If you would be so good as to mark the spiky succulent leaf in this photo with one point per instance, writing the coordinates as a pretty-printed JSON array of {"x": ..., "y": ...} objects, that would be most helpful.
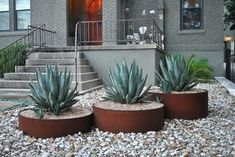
[
  {"x": 52, "y": 91},
  {"x": 175, "y": 74},
  {"x": 127, "y": 84}
]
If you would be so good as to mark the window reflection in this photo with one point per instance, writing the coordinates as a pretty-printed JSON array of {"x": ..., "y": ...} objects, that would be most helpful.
[
  {"x": 23, "y": 19},
  {"x": 191, "y": 14},
  {"x": 4, "y": 5},
  {"x": 4, "y": 18},
  {"x": 22, "y": 4}
]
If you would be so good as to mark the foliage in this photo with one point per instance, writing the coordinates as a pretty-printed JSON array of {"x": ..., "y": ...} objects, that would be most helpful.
[
  {"x": 11, "y": 57},
  {"x": 203, "y": 71},
  {"x": 229, "y": 16},
  {"x": 127, "y": 84},
  {"x": 52, "y": 91},
  {"x": 175, "y": 74}
]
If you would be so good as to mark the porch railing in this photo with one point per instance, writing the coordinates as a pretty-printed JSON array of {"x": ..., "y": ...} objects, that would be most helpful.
[{"x": 123, "y": 32}]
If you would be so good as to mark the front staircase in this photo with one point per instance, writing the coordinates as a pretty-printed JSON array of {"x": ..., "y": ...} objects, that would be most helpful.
[{"x": 18, "y": 81}]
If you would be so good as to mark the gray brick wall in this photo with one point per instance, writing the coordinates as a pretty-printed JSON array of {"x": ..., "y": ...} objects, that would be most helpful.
[
  {"x": 53, "y": 13},
  {"x": 109, "y": 17},
  {"x": 207, "y": 42}
]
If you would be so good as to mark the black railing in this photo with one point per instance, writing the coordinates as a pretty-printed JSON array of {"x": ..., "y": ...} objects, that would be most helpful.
[
  {"x": 37, "y": 37},
  {"x": 123, "y": 32}
]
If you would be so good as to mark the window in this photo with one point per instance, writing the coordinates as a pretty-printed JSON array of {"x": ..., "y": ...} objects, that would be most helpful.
[
  {"x": 191, "y": 14},
  {"x": 14, "y": 15},
  {"x": 22, "y": 8},
  {"x": 4, "y": 15}
]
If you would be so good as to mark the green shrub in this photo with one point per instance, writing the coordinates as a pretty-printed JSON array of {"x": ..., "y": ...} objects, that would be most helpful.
[
  {"x": 52, "y": 92},
  {"x": 127, "y": 84},
  {"x": 11, "y": 57},
  {"x": 175, "y": 74},
  {"x": 204, "y": 72}
]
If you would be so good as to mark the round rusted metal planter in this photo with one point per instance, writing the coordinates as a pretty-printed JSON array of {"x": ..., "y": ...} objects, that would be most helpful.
[
  {"x": 187, "y": 105},
  {"x": 113, "y": 120},
  {"x": 46, "y": 128}
]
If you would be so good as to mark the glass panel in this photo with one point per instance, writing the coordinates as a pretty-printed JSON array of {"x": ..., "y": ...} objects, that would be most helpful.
[
  {"x": 192, "y": 19},
  {"x": 4, "y": 5},
  {"x": 4, "y": 24},
  {"x": 191, "y": 3},
  {"x": 23, "y": 19},
  {"x": 22, "y": 4}
]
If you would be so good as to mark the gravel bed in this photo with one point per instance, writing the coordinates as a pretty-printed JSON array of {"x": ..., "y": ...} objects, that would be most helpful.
[{"x": 211, "y": 136}]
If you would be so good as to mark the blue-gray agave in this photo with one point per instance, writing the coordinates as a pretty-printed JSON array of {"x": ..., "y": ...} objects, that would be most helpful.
[
  {"x": 175, "y": 74},
  {"x": 52, "y": 91},
  {"x": 127, "y": 85}
]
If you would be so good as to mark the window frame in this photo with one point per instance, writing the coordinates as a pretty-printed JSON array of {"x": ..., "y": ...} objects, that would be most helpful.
[
  {"x": 15, "y": 16},
  {"x": 7, "y": 11},
  {"x": 201, "y": 17}
]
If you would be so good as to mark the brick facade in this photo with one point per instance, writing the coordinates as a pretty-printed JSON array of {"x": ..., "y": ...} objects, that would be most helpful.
[{"x": 207, "y": 42}]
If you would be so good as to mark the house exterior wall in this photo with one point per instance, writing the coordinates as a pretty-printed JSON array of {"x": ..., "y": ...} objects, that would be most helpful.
[
  {"x": 207, "y": 42},
  {"x": 53, "y": 13}
]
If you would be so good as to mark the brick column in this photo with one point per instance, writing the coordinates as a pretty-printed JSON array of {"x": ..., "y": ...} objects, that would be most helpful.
[{"x": 110, "y": 22}]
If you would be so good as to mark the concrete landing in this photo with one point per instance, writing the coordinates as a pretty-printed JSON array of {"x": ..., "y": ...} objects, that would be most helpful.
[{"x": 230, "y": 86}]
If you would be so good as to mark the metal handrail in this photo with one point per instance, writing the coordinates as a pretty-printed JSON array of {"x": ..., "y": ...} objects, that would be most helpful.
[{"x": 25, "y": 38}]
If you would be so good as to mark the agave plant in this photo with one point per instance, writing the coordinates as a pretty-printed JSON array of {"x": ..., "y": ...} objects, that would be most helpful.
[
  {"x": 52, "y": 91},
  {"x": 204, "y": 72},
  {"x": 175, "y": 74},
  {"x": 127, "y": 84}
]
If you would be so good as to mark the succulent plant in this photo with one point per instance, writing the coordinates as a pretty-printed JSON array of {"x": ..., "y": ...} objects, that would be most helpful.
[
  {"x": 127, "y": 84},
  {"x": 175, "y": 74},
  {"x": 52, "y": 91}
]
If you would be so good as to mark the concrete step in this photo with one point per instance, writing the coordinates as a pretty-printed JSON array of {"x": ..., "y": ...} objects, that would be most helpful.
[
  {"x": 56, "y": 49},
  {"x": 12, "y": 93},
  {"x": 55, "y": 55},
  {"x": 19, "y": 84},
  {"x": 27, "y": 76},
  {"x": 56, "y": 61},
  {"x": 81, "y": 68}
]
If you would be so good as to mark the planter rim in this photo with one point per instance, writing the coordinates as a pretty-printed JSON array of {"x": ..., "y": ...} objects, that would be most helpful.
[
  {"x": 89, "y": 112},
  {"x": 192, "y": 91},
  {"x": 125, "y": 107}
]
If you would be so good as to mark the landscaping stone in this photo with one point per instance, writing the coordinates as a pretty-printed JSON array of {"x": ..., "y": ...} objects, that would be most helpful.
[{"x": 210, "y": 136}]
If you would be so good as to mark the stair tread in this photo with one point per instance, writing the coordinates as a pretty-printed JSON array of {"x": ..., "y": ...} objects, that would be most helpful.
[
  {"x": 30, "y": 73},
  {"x": 2, "y": 80},
  {"x": 57, "y": 66},
  {"x": 72, "y": 59}
]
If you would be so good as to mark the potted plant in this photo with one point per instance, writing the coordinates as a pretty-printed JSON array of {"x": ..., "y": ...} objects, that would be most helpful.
[
  {"x": 124, "y": 108},
  {"x": 53, "y": 113},
  {"x": 176, "y": 89}
]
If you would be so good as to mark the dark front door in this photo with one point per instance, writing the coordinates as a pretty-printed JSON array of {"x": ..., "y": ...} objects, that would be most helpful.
[{"x": 95, "y": 24}]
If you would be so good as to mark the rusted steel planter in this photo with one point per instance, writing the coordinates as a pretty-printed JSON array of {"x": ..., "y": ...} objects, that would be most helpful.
[
  {"x": 187, "y": 105},
  {"x": 127, "y": 119},
  {"x": 55, "y": 127}
]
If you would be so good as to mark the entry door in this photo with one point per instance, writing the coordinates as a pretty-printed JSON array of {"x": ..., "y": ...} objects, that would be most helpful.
[{"x": 95, "y": 27}]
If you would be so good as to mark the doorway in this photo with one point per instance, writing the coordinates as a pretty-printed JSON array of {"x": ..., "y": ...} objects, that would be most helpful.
[
  {"x": 90, "y": 13},
  {"x": 95, "y": 22}
]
